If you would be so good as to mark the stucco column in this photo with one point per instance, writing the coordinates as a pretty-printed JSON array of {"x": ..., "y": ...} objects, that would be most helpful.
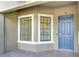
[{"x": 1, "y": 33}]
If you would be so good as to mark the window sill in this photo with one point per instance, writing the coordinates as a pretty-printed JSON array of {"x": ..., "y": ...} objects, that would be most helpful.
[{"x": 27, "y": 42}]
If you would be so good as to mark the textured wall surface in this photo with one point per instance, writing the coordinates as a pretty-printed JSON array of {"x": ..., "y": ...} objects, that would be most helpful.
[
  {"x": 11, "y": 31},
  {"x": 62, "y": 10},
  {"x": 1, "y": 33},
  {"x": 78, "y": 23},
  {"x": 71, "y": 9},
  {"x": 35, "y": 10},
  {"x": 78, "y": 27}
]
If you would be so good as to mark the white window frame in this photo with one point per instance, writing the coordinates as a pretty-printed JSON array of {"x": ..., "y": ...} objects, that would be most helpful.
[
  {"x": 19, "y": 18},
  {"x": 47, "y": 15}
]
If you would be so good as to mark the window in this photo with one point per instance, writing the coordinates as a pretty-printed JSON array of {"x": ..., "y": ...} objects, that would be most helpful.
[
  {"x": 45, "y": 28},
  {"x": 25, "y": 28}
]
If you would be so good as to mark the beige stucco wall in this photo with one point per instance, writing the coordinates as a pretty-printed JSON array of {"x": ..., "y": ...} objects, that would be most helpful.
[
  {"x": 35, "y": 10},
  {"x": 58, "y": 11},
  {"x": 11, "y": 27},
  {"x": 78, "y": 27},
  {"x": 11, "y": 32},
  {"x": 78, "y": 22},
  {"x": 1, "y": 33},
  {"x": 72, "y": 9}
]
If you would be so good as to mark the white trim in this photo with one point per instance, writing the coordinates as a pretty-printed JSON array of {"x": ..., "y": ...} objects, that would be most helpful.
[
  {"x": 52, "y": 29},
  {"x": 26, "y": 42},
  {"x": 38, "y": 42},
  {"x": 66, "y": 50},
  {"x": 38, "y": 27},
  {"x": 52, "y": 41},
  {"x": 32, "y": 27},
  {"x": 19, "y": 18},
  {"x": 18, "y": 28}
]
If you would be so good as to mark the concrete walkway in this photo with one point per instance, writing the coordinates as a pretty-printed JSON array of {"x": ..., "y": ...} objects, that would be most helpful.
[{"x": 19, "y": 53}]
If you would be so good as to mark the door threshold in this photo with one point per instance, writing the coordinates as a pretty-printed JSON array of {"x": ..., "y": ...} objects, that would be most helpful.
[{"x": 65, "y": 50}]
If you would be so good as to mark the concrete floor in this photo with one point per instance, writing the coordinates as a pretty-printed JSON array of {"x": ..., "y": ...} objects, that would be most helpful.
[{"x": 19, "y": 53}]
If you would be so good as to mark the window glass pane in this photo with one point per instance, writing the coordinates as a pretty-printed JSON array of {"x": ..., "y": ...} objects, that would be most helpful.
[
  {"x": 45, "y": 28},
  {"x": 25, "y": 29}
]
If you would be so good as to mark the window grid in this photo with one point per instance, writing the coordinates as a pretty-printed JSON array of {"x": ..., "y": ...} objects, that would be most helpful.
[
  {"x": 45, "y": 28},
  {"x": 25, "y": 29}
]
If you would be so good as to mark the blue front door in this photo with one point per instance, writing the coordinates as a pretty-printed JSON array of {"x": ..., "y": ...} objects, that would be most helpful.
[{"x": 66, "y": 32}]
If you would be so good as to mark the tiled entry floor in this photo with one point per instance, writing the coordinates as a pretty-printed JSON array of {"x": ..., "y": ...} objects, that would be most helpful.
[{"x": 19, "y": 53}]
